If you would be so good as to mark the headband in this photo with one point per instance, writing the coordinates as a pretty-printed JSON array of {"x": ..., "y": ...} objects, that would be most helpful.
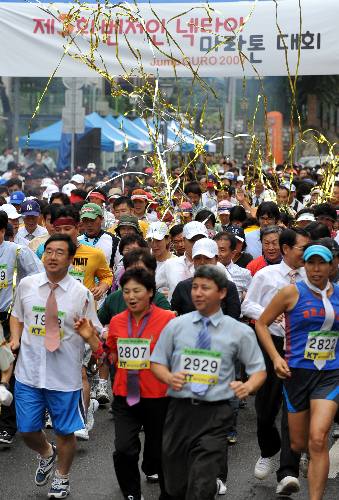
[{"x": 65, "y": 221}]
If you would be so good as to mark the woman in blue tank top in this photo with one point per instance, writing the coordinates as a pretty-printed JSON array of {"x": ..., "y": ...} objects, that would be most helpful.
[{"x": 310, "y": 370}]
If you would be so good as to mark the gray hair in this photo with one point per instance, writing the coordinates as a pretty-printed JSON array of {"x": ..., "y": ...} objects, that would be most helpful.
[
  {"x": 270, "y": 230},
  {"x": 213, "y": 273}
]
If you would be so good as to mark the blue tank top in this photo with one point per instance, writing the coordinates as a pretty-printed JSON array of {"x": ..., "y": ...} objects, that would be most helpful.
[{"x": 308, "y": 315}]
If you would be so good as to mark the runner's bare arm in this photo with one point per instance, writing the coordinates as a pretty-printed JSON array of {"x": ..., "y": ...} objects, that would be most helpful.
[{"x": 243, "y": 389}]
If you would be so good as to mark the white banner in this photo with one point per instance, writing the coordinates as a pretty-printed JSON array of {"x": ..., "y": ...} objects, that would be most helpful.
[{"x": 181, "y": 38}]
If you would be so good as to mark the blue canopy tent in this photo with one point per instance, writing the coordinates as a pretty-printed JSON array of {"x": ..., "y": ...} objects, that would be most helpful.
[{"x": 129, "y": 130}]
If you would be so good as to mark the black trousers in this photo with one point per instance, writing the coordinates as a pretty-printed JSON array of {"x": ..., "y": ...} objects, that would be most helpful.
[
  {"x": 268, "y": 402},
  {"x": 194, "y": 448},
  {"x": 8, "y": 415},
  {"x": 150, "y": 414}
]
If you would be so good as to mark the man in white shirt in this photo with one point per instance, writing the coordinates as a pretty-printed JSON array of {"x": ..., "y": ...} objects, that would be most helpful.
[
  {"x": 30, "y": 211},
  {"x": 181, "y": 268},
  {"x": 209, "y": 199},
  {"x": 241, "y": 277},
  {"x": 265, "y": 284},
  {"x": 48, "y": 369}
]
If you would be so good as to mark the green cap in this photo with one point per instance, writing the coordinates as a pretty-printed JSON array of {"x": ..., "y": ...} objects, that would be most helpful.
[
  {"x": 91, "y": 211},
  {"x": 128, "y": 220}
]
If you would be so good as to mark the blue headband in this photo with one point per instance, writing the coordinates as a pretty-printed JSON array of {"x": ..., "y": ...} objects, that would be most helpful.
[{"x": 320, "y": 250}]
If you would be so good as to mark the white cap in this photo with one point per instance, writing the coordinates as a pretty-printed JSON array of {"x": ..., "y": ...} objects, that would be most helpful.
[
  {"x": 229, "y": 176},
  {"x": 240, "y": 178},
  {"x": 49, "y": 191},
  {"x": 68, "y": 188},
  {"x": 290, "y": 187},
  {"x": 92, "y": 166},
  {"x": 194, "y": 228},
  {"x": 47, "y": 181},
  {"x": 206, "y": 247},
  {"x": 10, "y": 211},
  {"x": 157, "y": 231},
  {"x": 79, "y": 179},
  {"x": 307, "y": 217}
]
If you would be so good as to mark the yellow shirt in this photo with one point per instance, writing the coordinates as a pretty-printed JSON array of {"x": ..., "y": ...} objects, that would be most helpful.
[{"x": 90, "y": 263}]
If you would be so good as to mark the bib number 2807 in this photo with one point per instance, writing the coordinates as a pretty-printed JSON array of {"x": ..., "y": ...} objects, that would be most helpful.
[{"x": 134, "y": 354}]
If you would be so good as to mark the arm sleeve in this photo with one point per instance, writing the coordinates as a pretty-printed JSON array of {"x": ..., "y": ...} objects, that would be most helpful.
[
  {"x": 249, "y": 352},
  {"x": 103, "y": 273},
  {"x": 231, "y": 304},
  {"x": 163, "y": 350},
  {"x": 251, "y": 306},
  {"x": 18, "y": 311},
  {"x": 28, "y": 263}
]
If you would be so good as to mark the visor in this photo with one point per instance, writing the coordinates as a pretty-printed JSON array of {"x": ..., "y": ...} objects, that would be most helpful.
[{"x": 320, "y": 250}]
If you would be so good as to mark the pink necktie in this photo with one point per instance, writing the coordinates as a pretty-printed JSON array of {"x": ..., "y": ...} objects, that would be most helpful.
[
  {"x": 293, "y": 276},
  {"x": 52, "y": 338}
]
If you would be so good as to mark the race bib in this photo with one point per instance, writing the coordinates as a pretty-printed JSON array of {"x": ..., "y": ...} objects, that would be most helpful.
[
  {"x": 134, "y": 354},
  {"x": 321, "y": 345},
  {"x": 3, "y": 276},
  {"x": 78, "y": 275},
  {"x": 38, "y": 324},
  {"x": 201, "y": 365}
]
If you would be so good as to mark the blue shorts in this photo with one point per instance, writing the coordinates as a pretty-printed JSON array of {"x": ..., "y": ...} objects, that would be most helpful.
[{"x": 65, "y": 408}]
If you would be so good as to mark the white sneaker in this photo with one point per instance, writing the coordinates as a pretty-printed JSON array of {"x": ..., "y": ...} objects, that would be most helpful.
[
  {"x": 93, "y": 406},
  {"x": 287, "y": 486},
  {"x": 263, "y": 467},
  {"x": 102, "y": 393},
  {"x": 6, "y": 397},
  {"x": 82, "y": 434},
  {"x": 303, "y": 464},
  {"x": 221, "y": 487},
  {"x": 335, "y": 431}
]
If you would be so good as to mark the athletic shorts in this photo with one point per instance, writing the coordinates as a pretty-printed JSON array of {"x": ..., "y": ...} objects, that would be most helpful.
[
  {"x": 304, "y": 385},
  {"x": 65, "y": 408}
]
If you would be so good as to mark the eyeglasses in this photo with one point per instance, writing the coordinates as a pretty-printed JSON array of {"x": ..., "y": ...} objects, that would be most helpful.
[
  {"x": 59, "y": 253},
  {"x": 299, "y": 248}
]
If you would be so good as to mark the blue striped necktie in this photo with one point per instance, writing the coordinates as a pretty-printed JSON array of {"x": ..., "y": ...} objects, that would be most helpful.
[{"x": 204, "y": 342}]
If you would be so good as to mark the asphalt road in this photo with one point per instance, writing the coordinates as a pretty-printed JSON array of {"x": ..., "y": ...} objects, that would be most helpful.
[{"x": 93, "y": 474}]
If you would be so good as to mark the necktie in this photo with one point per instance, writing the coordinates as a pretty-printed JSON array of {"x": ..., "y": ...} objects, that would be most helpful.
[
  {"x": 203, "y": 342},
  {"x": 133, "y": 385},
  {"x": 293, "y": 276},
  {"x": 29, "y": 237},
  {"x": 52, "y": 338},
  {"x": 329, "y": 314}
]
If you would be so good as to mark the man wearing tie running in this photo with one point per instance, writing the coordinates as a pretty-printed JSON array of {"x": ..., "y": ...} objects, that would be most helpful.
[{"x": 48, "y": 369}]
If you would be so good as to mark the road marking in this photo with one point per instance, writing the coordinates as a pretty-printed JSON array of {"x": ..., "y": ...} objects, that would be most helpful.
[{"x": 334, "y": 460}]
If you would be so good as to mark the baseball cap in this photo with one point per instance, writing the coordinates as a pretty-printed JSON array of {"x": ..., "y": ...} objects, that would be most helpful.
[
  {"x": 157, "y": 231},
  {"x": 289, "y": 186},
  {"x": 229, "y": 176},
  {"x": 139, "y": 194},
  {"x": 47, "y": 181},
  {"x": 224, "y": 207},
  {"x": 320, "y": 250},
  {"x": 306, "y": 217},
  {"x": 205, "y": 246},
  {"x": 10, "y": 211},
  {"x": 240, "y": 178},
  {"x": 128, "y": 220},
  {"x": 114, "y": 193},
  {"x": 50, "y": 189},
  {"x": 210, "y": 184},
  {"x": 68, "y": 188},
  {"x": 17, "y": 197},
  {"x": 238, "y": 232},
  {"x": 186, "y": 207},
  {"x": 91, "y": 211},
  {"x": 91, "y": 166},
  {"x": 194, "y": 228},
  {"x": 79, "y": 179},
  {"x": 30, "y": 207}
]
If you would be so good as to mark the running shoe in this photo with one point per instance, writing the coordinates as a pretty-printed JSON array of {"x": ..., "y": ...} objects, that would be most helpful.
[
  {"x": 263, "y": 468},
  {"x": 6, "y": 438},
  {"x": 287, "y": 486},
  {"x": 152, "y": 478},
  {"x": 93, "y": 406},
  {"x": 221, "y": 487},
  {"x": 82, "y": 434},
  {"x": 232, "y": 437},
  {"x": 102, "y": 393},
  {"x": 335, "y": 431},
  {"x": 303, "y": 464},
  {"x": 132, "y": 497},
  {"x": 59, "y": 488},
  {"x": 45, "y": 468}
]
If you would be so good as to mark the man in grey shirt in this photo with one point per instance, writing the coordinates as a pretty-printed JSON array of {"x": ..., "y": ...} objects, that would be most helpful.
[{"x": 195, "y": 357}]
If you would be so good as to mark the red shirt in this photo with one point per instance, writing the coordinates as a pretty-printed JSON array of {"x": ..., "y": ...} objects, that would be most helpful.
[
  {"x": 256, "y": 264},
  {"x": 150, "y": 387}
]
